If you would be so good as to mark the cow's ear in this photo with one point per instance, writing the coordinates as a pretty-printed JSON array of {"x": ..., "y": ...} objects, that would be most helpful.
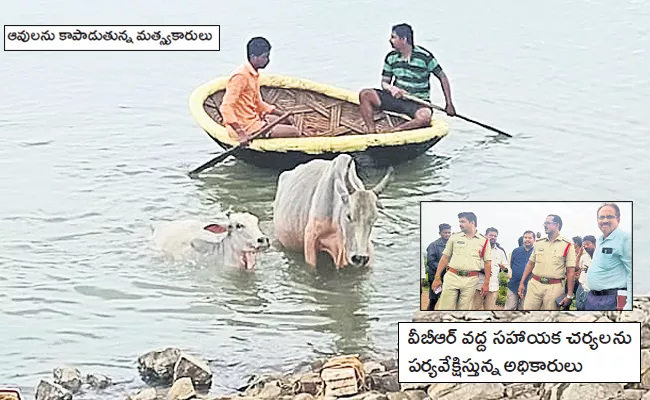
[{"x": 203, "y": 246}]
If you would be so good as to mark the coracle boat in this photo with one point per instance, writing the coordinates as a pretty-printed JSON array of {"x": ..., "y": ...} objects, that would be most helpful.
[{"x": 329, "y": 119}]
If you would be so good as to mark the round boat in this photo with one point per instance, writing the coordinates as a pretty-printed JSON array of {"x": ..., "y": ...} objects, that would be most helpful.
[{"x": 328, "y": 117}]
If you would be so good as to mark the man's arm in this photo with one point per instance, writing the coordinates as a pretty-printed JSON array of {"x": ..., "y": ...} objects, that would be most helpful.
[
  {"x": 510, "y": 266},
  {"x": 527, "y": 271},
  {"x": 570, "y": 271},
  {"x": 435, "y": 69},
  {"x": 626, "y": 258},
  {"x": 233, "y": 93},
  {"x": 487, "y": 266},
  {"x": 432, "y": 262}
]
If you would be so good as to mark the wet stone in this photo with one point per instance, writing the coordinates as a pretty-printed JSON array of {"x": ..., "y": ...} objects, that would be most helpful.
[
  {"x": 98, "y": 381},
  {"x": 181, "y": 390},
  {"x": 416, "y": 394},
  {"x": 271, "y": 390},
  {"x": 384, "y": 382},
  {"x": 144, "y": 394},
  {"x": 157, "y": 367},
  {"x": 592, "y": 391},
  {"x": 415, "y": 386},
  {"x": 397, "y": 396},
  {"x": 633, "y": 394},
  {"x": 389, "y": 365},
  {"x": 372, "y": 367},
  {"x": 52, "y": 391},
  {"x": 69, "y": 378},
  {"x": 194, "y": 368}
]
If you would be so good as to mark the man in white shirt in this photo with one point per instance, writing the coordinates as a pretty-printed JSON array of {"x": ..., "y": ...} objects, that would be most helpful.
[
  {"x": 588, "y": 247},
  {"x": 499, "y": 263}
]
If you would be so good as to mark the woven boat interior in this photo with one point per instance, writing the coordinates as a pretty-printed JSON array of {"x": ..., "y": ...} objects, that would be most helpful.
[{"x": 315, "y": 114}]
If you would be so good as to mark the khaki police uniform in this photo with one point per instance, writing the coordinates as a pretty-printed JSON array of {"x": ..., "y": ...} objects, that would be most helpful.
[
  {"x": 551, "y": 259},
  {"x": 467, "y": 256}
]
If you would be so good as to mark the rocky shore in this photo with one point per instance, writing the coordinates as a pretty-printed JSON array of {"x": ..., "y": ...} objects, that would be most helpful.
[{"x": 174, "y": 374}]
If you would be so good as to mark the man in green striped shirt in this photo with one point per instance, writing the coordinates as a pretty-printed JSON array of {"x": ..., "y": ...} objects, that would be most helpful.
[{"x": 406, "y": 71}]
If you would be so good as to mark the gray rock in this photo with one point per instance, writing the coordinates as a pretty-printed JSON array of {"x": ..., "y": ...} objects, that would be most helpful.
[
  {"x": 427, "y": 316},
  {"x": 373, "y": 395},
  {"x": 633, "y": 394},
  {"x": 271, "y": 390},
  {"x": 645, "y": 337},
  {"x": 144, "y": 394},
  {"x": 595, "y": 391},
  {"x": 483, "y": 391},
  {"x": 182, "y": 389},
  {"x": 68, "y": 377},
  {"x": 194, "y": 368},
  {"x": 98, "y": 381},
  {"x": 310, "y": 383},
  {"x": 414, "y": 386},
  {"x": 389, "y": 365},
  {"x": 586, "y": 318},
  {"x": 438, "y": 390},
  {"x": 397, "y": 395},
  {"x": 372, "y": 367},
  {"x": 633, "y": 316},
  {"x": 383, "y": 382},
  {"x": 603, "y": 319},
  {"x": 157, "y": 367},
  {"x": 646, "y": 396},
  {"x": 521, "y": 391},
  {"x": 416, "y": 394},
  {"x": 52, "y": 391},
  {"x": 303, "y": 396}
]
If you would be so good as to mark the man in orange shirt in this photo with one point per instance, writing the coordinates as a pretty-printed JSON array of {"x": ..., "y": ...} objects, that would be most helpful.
[{"x": 243, "y": 109}]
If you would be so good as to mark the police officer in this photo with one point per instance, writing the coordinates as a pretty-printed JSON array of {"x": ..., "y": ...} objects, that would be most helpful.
[
  {"x": 466, "y": 253},
  {"x": 552, "y": 260}
]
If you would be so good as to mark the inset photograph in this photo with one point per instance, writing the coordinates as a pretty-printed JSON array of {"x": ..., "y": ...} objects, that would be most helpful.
[{"x": 533, "y": 256}]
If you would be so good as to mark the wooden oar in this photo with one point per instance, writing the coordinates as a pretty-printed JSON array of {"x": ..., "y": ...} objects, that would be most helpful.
[
  {"x": 266, "y": 128},
  {"x": 426, "y": 103}
]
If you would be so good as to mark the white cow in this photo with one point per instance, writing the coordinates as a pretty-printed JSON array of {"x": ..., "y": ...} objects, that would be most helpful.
[
  {"x": 323, "y": 206},
  {"x": 233, "y": 244}
]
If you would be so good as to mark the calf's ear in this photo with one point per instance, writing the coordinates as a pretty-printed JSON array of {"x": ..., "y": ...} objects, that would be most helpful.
[{"x": 203, "y": 246}]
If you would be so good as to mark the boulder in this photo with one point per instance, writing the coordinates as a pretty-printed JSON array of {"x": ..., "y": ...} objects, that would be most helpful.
[
  {"x": 144, "y": 394},
  {"x": 182, "y": 389},
  {"x": 633, "y": 394},
  {"x": 194, "y": 368},
  {"x": 52, "y": 391},
  {"x": 157, "y": 367},
  {"x": 483, "y": 391},
  {"x": 98, "y": 381},
  {"x": 68, "y": 377},
  {"x": 371, "y": 367},
  {"x": 383, "y": 382},
  {"x": 416, "y": 394},
  {"x": 604, "y": 391}
]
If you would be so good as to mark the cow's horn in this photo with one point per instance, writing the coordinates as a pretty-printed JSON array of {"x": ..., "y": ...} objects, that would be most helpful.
[
  {"x": 350, "y": 183},
  {"x": 384, "y": 181}
]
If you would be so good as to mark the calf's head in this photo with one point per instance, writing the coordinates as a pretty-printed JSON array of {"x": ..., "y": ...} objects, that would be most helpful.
[
  {"x": 359, "y": 211},
  {"x": 244, "y": 236}
]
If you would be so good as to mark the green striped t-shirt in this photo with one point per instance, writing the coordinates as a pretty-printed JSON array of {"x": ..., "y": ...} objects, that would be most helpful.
[{"x": 412, "y": 75}]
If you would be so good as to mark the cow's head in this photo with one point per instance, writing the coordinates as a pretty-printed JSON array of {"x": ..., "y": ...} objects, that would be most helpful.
[
  {"x": 359, "y": 212},
  {"x": 245, "y": 232},
  {"x": 245, "y": 236}
]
